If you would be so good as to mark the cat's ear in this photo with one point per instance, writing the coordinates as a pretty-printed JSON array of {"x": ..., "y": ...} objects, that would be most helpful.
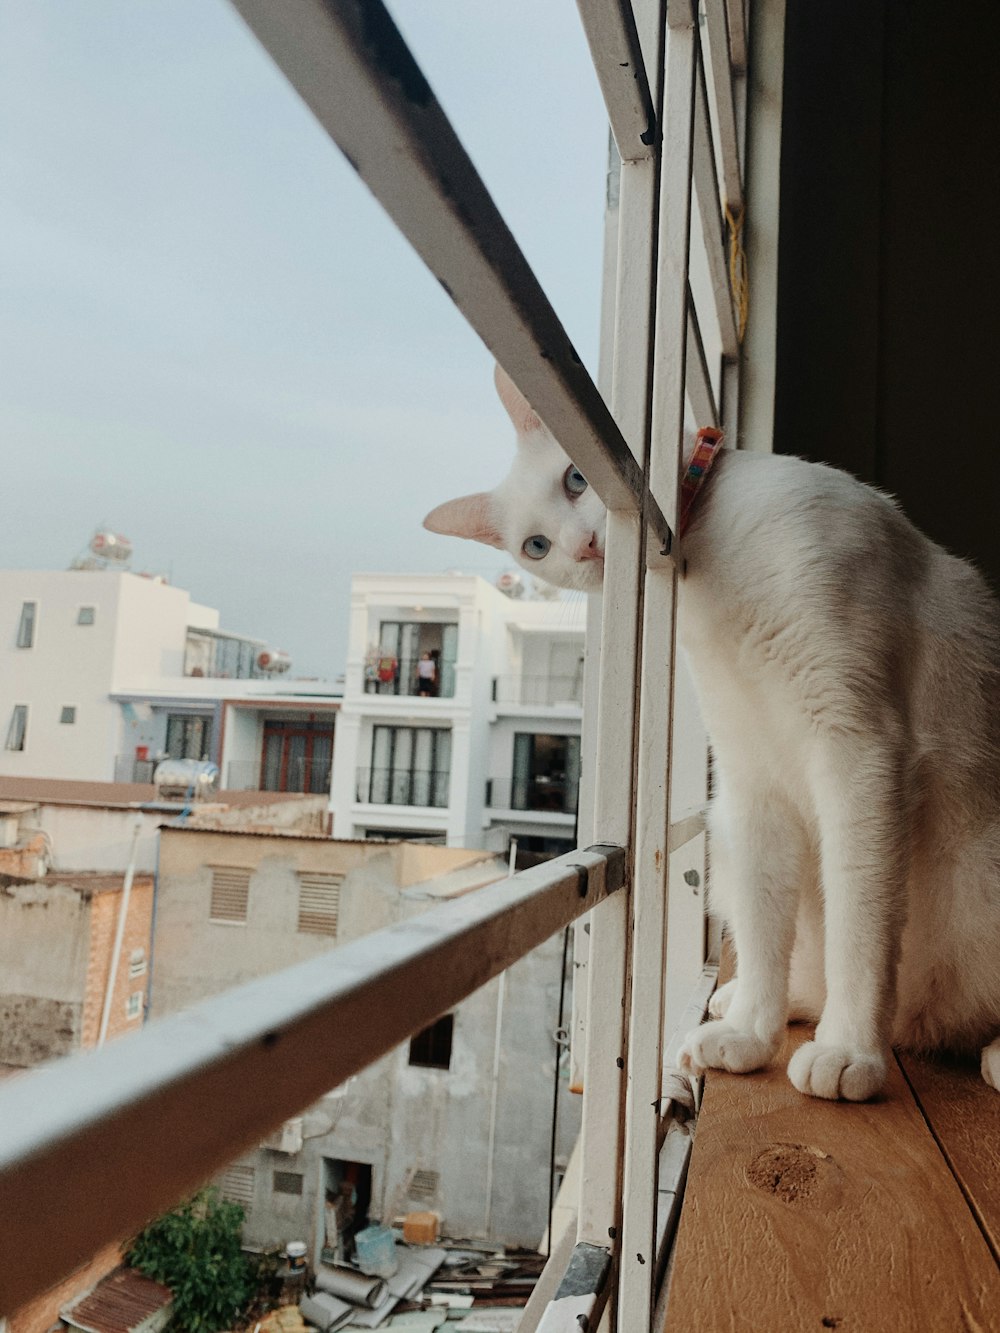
[
  {"x": 518, "y": 408},
  {"x": 469, "y": 516}
]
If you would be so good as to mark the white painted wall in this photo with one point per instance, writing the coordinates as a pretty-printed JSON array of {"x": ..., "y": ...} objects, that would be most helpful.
[
  {"x": 243, "y": 731},
  {"x": 67, "y": 665}
]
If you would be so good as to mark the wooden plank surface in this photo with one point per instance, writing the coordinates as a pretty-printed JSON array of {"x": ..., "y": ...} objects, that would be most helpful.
[
  {"x": 964, "y": 1113},
  {"x": 804, "y": 1214}
]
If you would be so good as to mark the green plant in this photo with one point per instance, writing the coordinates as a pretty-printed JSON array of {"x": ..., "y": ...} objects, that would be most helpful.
[{"x": 195, "y": 1251}]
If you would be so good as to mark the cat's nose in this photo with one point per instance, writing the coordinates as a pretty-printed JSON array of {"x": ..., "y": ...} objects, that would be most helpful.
[{"x": 589, "y": 549}]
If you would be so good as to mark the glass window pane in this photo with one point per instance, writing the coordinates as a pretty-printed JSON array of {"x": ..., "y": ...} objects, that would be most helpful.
[{"x": 26, "y": 626}]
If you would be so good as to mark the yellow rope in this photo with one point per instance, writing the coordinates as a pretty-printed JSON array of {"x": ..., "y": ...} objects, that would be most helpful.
[{"x": 738, "y": 270}]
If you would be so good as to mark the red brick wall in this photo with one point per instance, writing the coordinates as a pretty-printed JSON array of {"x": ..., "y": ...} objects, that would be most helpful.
[{"x": 104, "y": 910}]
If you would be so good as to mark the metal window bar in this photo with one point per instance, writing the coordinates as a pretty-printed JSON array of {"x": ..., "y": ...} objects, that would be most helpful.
[
  {"x": 64, "y": 1125},
  {"x": 104, "y": 1140}
]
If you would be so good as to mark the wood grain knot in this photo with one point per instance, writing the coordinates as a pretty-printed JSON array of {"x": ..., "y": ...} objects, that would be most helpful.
[{"x": 790, "y": 1172}]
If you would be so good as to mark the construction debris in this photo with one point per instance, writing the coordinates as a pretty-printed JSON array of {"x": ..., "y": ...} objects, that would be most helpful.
[{"x": 454, "y": 1287}]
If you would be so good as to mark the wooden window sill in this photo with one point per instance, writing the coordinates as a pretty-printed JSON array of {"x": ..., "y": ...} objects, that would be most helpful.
[{"x": 805, "y": 1214}]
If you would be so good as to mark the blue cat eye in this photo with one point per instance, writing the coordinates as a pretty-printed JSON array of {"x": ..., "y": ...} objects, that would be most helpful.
[
  {"x": 574, "y": 481},
  {"x": 537, "y": 548}
]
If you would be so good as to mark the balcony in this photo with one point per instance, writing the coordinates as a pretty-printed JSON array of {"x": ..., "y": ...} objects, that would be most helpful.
[
  {"x": 544, "y": 691},
  {"x": 391, "y": 675},
  {"x": 424, "y": 788},
  {"x": 298, "y": 774},
  {"x": 130, "y": 769},
  {"x": 544, "y": 793}
]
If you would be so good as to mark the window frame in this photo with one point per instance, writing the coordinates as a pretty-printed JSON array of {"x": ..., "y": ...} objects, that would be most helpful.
[
  {"x": 437, "y": 1037},
  {"x": 17, "y": 729},
  {"x": 626, "y": 440},
  {"x": 27, "y": 626}
]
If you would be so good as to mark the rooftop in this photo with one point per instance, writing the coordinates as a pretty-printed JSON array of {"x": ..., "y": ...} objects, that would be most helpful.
[
  {"x": 124, "y": 795},
  {"x": 119, "y": 1303}
]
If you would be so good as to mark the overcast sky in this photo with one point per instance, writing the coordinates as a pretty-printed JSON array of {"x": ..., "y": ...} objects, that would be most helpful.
[{"x": 211, "y": 337}]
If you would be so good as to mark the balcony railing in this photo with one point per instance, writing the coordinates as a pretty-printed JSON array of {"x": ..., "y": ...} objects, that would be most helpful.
[
  {"x": 404, "y": 678},
  {"x": 130, "y": 769},
  {"x": 297, "y": 775},
  {"x": 541, "y": 690},
  {"x": 552, "y": 794},
  {"x": 103, "y": 1141},
  {"x": 421, "y": 787}
]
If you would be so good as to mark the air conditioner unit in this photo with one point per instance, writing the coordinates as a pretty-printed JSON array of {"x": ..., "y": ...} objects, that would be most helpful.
[{"x": 287, "y": 1138}]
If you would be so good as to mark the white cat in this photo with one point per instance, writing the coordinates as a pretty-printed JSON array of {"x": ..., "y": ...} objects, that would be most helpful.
[{"x": 847, "y": 669}]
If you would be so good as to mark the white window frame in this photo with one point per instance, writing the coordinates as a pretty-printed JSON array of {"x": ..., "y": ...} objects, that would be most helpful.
[
  {"x": 65, "y": 721},
  {"x": 134, "y": 1004},
  {"x": 88, "y": 606},
  {"x": 677, "y": 119}
]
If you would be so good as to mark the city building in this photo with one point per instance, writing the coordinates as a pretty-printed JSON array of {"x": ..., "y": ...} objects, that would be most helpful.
[
  {"x": 103, "y": 672},
  {"x": 461, "y": 715},
  {"x": 234, "y": 906}
]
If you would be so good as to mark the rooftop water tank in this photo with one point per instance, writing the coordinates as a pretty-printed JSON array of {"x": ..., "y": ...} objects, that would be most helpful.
[{"x": 179, "y": 779}]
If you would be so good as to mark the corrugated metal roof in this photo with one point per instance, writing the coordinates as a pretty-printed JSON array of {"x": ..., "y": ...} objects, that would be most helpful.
[{"x": 120, "y": 1302}]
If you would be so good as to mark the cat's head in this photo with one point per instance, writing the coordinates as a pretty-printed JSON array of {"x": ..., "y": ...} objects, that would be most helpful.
[{"x": 543, "y": 512}]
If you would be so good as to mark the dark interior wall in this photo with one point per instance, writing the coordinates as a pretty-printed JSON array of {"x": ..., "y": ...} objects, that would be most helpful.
[{"x": 889, "y": 259}]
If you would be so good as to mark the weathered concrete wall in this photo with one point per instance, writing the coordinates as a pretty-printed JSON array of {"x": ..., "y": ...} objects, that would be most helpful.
[
  {"x": 395, "y": 1117},
  {"x": 33, "y": 1028},
  {"x": 99, "y": 837},
  {"x": 56, "y": 940},
  {"x": 197, "y": 957},
  {"x": 43, "y": 940},
  {"x": 398, "y": 1118}
]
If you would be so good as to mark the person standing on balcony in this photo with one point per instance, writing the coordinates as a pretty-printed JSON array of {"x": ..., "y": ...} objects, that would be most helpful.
[{"x": 426, "y": 676}]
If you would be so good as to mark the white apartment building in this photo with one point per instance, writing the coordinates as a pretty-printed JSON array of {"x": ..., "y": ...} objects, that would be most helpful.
[
  {"x": 103, "y": 672},
  {"x": 491, "y": 747}
]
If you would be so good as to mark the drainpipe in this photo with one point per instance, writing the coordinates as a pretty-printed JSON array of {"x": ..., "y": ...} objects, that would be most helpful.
[
  {"x": 148, "y": 1009},
  {"x": 119, "y": 933}
]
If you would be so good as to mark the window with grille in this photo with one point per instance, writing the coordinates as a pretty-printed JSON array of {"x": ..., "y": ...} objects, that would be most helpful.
[
  {"x": 431, "y": 1049},
  {"x": 86, "y": 615},
  {"x": 319, "y": 903},
  {"x": 189, "y": 736},
  {"x": 230, "y": 894},
  {"x": 67, "y": 714},
  {"x": 287, "y": 1182},
  {"x": 237, "y": 1185},
  {"x": 133, "y": 1005},
  {"x": 26, "y": 625},
  {"x": 675, "y": 87},
  {"x": 17, "y": 731}
]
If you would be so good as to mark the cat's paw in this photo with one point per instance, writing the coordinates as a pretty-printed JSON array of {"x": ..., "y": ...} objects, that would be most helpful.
[
  {"x": 722, "y": 998},
  {"x": 990, "y": 1064},
  {"x": 677, "y": 1087},
  {"x": 718, "y": 1045},
  {"x": 838, "y": 1073}
]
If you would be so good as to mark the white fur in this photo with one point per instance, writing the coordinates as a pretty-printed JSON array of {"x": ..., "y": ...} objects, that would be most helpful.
[
  {"x": 847, "y": 673},
  {"x": 532, "y": 500}
]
